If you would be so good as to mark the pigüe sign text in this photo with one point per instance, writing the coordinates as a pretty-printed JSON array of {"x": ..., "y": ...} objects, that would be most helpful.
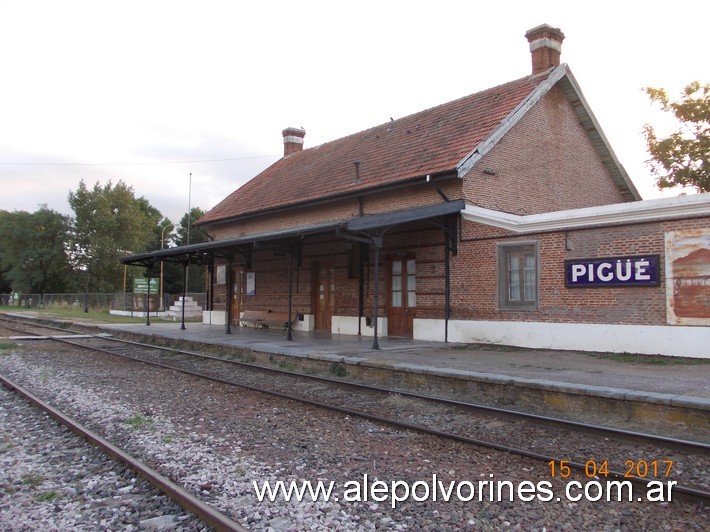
[{"x": 613, "y": 271}]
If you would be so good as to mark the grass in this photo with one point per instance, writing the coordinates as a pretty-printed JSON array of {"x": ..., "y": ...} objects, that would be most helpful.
[
  {"x": 653, "y": 360},
  {"x": 4, "y": 346},
  {"x": 138, "y": 421},
  {"x": 338, "y": 369},
  {"x": 74, "y": 314},
  {"x": 44, "y": 374},
  {"x": 46, "y": 496},
  {"x": 247, "y": 358},
  {"x": 489, "y": 347},
  {"x": 30, "y": 479},
  {"x": 7, "y": 448},
  {"x": 287, "y": 365},
  {"x": 68, "y": 313},
  {"x": 624, "y": 358}
]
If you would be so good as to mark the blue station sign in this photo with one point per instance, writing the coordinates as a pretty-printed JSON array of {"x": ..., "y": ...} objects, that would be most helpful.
[{"x": 614, "y": 271}]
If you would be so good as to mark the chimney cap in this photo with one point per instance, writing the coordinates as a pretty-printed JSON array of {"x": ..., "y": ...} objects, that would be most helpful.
[
  {"x": 294, "y": 131},
  {"x": 530, "y": 34}
]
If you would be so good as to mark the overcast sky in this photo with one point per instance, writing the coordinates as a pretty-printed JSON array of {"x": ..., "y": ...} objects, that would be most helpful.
[{"x": 150, "y": 91}]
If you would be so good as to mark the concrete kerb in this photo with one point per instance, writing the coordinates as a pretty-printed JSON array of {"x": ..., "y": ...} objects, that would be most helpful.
[
  {"x": 651, "y": 397},
  {"x": 685, "y": 401},
  {"x": 546, "y": 385},
  {"x": 668, "y": 414}
]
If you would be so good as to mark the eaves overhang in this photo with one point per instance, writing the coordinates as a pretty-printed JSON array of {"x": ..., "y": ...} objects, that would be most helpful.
[
  {"x": 324, "y": 200},
  {"x": 606, "y": 215},
  {"x": 226, "y": 244},
  {"x": 416, "y": 214},
  {"x": 350, "y": 225}
]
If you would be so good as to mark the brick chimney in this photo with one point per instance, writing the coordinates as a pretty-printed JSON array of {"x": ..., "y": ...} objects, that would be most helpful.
[
  {"x": 545, "y": 47},
  {"x": 293, "y": 140}
]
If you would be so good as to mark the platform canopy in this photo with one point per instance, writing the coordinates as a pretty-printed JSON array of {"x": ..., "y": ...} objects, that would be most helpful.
[{"x": 356, "y": 225}]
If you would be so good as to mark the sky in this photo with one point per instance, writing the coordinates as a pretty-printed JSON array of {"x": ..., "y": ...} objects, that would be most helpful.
[{"x": 185, "y": 101}]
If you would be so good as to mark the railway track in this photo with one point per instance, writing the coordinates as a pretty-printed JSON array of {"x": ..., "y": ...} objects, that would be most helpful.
[
  {"x": 617, "y": 454},
  {"x": 211, "y": 516}
]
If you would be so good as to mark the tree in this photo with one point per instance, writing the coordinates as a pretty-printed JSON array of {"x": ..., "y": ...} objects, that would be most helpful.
[
  {"x": 681, "y": 159},
  {"x": 109, "y": 223},
  {"x": 33, "y": 251},
  {"x": 186, "y": 226},
  {"x": 196, "y": 274},
  {"x": 5, "y": 283}
]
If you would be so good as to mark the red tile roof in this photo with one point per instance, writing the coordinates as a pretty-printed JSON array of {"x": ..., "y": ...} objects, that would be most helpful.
[{"x": 428, "y": 142}]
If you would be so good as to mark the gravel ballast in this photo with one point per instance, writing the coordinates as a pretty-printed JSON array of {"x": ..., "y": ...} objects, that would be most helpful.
[
  {"x": 216, "y": 440},
  {"x": 52, "y": 479}
]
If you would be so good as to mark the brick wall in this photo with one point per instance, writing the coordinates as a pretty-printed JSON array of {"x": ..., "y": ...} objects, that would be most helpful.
[
  {"x": 475, "y": 278},
  {"x": 474, "y": 274},
  {"x": 422, "y": 241},
  {"x": 545, "y": 163}
]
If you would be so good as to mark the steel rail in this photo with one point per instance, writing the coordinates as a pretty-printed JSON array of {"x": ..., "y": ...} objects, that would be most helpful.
[
  {"x": 689, "y": 492},
  {"x": 564, "y": 423},
  {"x": 185, "y": 499}
]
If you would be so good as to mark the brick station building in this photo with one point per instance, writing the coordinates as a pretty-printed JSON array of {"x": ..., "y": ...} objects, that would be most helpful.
[{"x": 501, "y": 217}]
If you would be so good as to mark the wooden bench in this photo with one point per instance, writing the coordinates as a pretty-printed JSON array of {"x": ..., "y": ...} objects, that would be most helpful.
[{"x": 261, "y": 319}]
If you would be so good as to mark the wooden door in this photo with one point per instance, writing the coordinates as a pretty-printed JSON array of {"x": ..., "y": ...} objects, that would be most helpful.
[
  {"x": 402, "y": 300},
  {"x": 324, "y": 296}
]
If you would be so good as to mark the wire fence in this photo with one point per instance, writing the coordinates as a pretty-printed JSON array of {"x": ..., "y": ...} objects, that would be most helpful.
[{"x": 125, "y": 301}]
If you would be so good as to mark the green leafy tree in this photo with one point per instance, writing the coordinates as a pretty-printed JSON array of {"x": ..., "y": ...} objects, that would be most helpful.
[
  {"x": 109, "y": 223},
  {"x": 681, "y": 158},
  {"x": 195, "y": 274},
  {"x": 5, "y": 284},
  {"x": 33, "y": 251},
  {"x": 196, "y": 236}
]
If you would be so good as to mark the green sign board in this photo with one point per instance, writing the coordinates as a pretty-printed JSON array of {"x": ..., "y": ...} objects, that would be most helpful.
[{"x": 140, "y": 285}]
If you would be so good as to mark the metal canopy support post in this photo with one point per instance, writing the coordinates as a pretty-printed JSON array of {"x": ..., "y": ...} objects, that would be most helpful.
[
  {"x": 210, "y": 288},
  {"x": 376, "y": 238},
  {"x": 147, "y": 301},
  {"x": 361, "y": 284},
  {"x": 447, "y": 279},
  {"x": 289, "y": 336},
  {"x": 185, "y": 264},
  {"x": 230, "y": 297},
  {"x": 451, "y": 250},
  {"x": 377, "y": 241}
]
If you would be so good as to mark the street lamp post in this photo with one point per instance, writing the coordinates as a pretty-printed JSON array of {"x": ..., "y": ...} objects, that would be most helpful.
[{"x": 86, "y": 290}]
